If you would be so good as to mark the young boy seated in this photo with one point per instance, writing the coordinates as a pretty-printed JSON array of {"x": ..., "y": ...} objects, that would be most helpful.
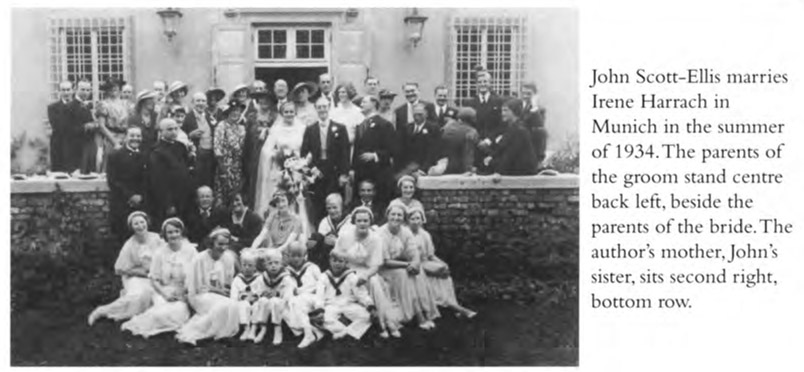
[
  {"x": 347, "y": 306},
  {"x": 322, "y": 242},
  {"x": 306, "y": 275},
  {"x": 279, "y": 290},
  {"x": 247, "y": 289}
]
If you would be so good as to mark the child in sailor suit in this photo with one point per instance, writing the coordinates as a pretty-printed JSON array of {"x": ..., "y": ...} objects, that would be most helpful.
[
  {"x": 247, "y": 289},
  {"x": 347, "y": 306},
  {"x": 306, "y": 275},
  {"x": 280, "y": 288}
]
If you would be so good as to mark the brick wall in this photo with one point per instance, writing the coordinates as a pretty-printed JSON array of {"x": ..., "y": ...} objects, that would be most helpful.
[
  {"x": 49, "y": 217},
  {"x": 515, "y": 227}
]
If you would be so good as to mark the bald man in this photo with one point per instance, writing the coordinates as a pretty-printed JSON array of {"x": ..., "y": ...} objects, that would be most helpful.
[
  {"x": 170, "y": 185},
  {"x": 204, "y": 217},
  {"x": 199, "y": 126}
]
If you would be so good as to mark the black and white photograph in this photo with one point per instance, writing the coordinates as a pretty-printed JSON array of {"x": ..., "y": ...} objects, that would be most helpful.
[{"x": 294, "y": 186}]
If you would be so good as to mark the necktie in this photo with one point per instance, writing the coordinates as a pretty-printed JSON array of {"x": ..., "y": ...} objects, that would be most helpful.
[{"x": 323, "y": 133}]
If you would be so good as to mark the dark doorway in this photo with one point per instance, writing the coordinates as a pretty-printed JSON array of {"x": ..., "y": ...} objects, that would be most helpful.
[{"x": 293, "y": 75}]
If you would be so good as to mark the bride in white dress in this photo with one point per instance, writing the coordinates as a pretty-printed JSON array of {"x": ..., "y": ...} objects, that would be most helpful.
[{"x": 284, "y": 141}]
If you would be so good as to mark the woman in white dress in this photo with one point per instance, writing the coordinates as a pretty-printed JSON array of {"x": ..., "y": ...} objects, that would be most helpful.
[
  {"x": 133, "y": 264},
  {"x": 208, "y": 283},
  {"x": 284, "y": 141},
  {"x": 168, "y": 274},
  {"x": 363, "y": 249},
  {"x": 344, "y": 111}
]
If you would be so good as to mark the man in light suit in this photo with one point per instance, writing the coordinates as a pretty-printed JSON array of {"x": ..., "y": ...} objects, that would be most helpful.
[{"x": 326, "y": 146}]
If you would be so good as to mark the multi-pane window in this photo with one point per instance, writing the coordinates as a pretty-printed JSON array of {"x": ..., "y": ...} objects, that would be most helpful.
[
  {"x": 88, "y": 48},
  {"x": 497, "y": 44},
  {"x": 297, "y": 44}
]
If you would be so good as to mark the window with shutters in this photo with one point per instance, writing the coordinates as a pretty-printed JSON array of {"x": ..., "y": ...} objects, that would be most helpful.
[
  {"x": 497, "y": 44},
  {"x": 91, "y": 48}
]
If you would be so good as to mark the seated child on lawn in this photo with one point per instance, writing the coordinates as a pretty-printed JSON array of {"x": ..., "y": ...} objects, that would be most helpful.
[
  {"x": 347, "y": 306},
  {"x": 306, "y": 275}
]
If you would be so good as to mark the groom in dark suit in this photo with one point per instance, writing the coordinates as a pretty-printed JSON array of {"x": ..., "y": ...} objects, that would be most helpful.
[
  {"x": 326, "y": 145},
  {"x": 419, "y": 143},
  {"x": 374, "y": 150}
]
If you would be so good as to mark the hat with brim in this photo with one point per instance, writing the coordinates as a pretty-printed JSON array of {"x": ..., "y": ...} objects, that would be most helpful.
[
  {"x": 233, "y": 105},
  {"x": 311, "y": 88},
  {"x": 146, "y": 94},
  {"x": 177, "y": 86},
  {"x": 216, "y": 92},
  {"x": 111, "y": 83},
  {"x": 385, "y": 93},
  {"x": 239, "y": 88}
]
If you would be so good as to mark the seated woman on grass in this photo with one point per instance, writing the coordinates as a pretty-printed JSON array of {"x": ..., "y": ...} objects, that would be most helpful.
[{"x": 133, "y": 264}]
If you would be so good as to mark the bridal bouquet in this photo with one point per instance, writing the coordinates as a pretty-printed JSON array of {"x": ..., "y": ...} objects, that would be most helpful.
[{"x": 297, "y": 175}]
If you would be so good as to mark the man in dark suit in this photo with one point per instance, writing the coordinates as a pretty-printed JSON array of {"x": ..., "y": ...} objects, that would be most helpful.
[
  {"x": 200, "y": 127},
  {"x": 324, "y": 89},
  {"x": 125, "y": 174},
  {"x": 82, "y": 111},
  {"x": 204, "y": 217},
  {"x": 404, "y": 116},
  {"x": 419, "y": 147},
  {"x": 367, "y": 192},
  {"x": 67, "y": 133},
  {"x": 404, "y": 113},
  {"x": 326, "y": 145},
  {"x": 533, "y": 118},
  {"x": 488, "y": 107},
  {"x": 442, "y": 105},
  {"x": 170, "y": 185},
  {"x": 374, "y": 150}
]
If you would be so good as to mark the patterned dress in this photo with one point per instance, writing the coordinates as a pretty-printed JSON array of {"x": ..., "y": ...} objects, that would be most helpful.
[
  {"x": 114, "y": 115},
  {"x": 228, "y": 146}
]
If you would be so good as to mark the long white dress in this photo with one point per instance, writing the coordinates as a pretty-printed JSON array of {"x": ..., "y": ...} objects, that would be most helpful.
[
  {"x": 170, "y": 268},
  {"x": 137, "y": 291},
  {"x": 282, "y": 138}
]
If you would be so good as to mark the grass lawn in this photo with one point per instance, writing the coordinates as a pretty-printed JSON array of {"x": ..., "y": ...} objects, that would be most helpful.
[{"x": 505, "y": 333}]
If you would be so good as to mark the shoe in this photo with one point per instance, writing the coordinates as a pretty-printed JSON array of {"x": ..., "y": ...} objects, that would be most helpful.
[
  {"x": 307, "y": 341},
  {"x": 277, "y": 337},
  {"x": 246, "y": 333},
  {"x": 93, "y": 317},
  {"x": 383, "y": 334},
  {"x": 339, "y": 335},
  {"x": 471, "y": 314},
  {"x": 257, "y": 339},
  {"x": 395, "y": 334}
]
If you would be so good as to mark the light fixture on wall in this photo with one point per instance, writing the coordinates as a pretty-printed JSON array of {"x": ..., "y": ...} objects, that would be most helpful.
[
  {"x": 414, "y": 26},
  {"x": 170, "y": 21}
]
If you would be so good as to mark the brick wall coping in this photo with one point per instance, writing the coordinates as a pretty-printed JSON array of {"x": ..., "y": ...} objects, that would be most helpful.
[
  {"x": 449, "y": 182},
  {"x": 460, "y": 182},
  {"x": 39, "y": 186}
]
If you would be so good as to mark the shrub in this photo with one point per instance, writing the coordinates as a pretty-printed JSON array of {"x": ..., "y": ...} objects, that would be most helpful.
[{"x": 567, "y": 158}]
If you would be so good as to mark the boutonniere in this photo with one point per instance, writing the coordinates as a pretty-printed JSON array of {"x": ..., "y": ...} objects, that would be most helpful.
[
  {"x": 371, "y": 125},
  {"x": 424, "y": 131},
  {"x": 499, "y": 138},
  {"x": 334, "y": 130}
]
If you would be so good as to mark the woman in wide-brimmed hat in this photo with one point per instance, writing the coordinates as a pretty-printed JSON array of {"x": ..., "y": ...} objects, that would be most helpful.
[
  {"x": 175, "y": 95},
  {"x": 111, "y": 115},
  {"x": 305, "y": 110},
  {"x": 215, "y": 97},
  {"x": 228, "y": 143},
  {"x": 144, "y": 117}
]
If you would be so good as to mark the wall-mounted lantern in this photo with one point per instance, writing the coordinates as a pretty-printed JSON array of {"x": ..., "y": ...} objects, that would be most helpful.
[
  {"x": 170, "y": 21},
  {"x": 414, "y": 26}
]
